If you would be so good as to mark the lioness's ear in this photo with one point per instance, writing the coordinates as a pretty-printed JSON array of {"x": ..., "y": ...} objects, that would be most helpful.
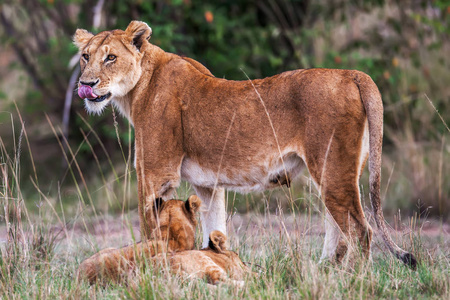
[
  {"x": 81, "y": 38},
  {"x": 139, "y": 33},
  {"x": 217, "y": 241},
  {"x": 193, "y": 204}
]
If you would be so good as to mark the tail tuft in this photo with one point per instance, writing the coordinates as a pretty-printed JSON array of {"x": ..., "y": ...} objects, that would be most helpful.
[{"x": 409, "y": 260}]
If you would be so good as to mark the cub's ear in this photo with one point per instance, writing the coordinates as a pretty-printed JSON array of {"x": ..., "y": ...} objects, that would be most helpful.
[
  {"x": 193, "y": 204},
  {"x": 139, "y": 33},
  {"x": 81, "y": 38},
  {"x": 217, "y": 241}
]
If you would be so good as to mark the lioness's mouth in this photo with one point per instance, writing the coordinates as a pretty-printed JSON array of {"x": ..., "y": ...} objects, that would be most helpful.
[
  {"x": 86, "y": 92},
  {"x": 100, "y": 98}
]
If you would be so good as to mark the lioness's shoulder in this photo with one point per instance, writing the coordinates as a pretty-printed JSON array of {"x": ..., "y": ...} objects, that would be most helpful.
[
  {"x": 176, "y": 63},
  {"x": 197, "y": 65}
]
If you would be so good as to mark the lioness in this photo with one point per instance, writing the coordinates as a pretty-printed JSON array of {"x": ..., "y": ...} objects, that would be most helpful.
[
  {"x": 176, "y": 232},
  {"x": 241, "y": 135}
]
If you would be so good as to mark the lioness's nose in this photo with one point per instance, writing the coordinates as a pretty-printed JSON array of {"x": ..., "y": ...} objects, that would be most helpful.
[{"x": 91, "y": 84}]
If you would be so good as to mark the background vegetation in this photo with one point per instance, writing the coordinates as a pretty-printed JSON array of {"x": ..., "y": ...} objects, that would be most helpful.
[
  {"x": 66, "y": 176},
  {"x": 403, "y": 45}
]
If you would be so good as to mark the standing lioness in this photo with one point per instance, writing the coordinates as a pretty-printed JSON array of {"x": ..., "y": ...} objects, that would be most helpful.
[{"x": 240, "y": 135}]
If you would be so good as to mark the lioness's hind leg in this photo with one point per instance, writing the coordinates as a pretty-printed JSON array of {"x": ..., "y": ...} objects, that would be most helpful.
[
  {"x": 332, "y": 237},
  {"x": 345, "y": 223}
]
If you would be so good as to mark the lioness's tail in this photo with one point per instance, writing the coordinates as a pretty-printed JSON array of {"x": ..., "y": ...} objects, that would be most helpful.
[{"x": 373, "y": 105}]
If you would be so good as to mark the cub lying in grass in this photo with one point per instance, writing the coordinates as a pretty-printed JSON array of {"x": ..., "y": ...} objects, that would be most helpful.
[
  {"x": 175, "y": 234},
  {"x": 215, "y": 263}
]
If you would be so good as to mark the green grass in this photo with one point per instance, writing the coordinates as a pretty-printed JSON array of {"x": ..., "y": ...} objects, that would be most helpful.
[
  {"x": 39, "y": 259},
  {"x": 278, "y": 234},
  {"x": 285, "y": 265}
]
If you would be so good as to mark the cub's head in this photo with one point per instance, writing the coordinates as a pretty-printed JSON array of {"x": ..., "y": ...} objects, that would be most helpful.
[
  {"x": 228, "y": 259},
  {"x": 177, "y": 222},
  {"x": 110, "y": 63}
]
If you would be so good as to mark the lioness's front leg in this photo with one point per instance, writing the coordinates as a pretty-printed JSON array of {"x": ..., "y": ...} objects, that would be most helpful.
[
  {"x": 150, "y": 187},
  {"x": 213, "y": 211},
  {"x": 159, "y": 153}
]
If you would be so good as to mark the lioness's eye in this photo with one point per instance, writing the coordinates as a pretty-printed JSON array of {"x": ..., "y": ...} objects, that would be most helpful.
[
  {"x": 110, "y": 57},
  {"x": 86, "y": 56}
]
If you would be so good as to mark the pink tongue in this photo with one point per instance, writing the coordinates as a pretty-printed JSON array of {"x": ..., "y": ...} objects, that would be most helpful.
[{"x": 85, "y": 91}]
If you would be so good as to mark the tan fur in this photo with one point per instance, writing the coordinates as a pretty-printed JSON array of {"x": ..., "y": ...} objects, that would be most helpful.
[
  {"x": 242, "y": 135},
  {"x": 176, "y": 232},
  {"x": 214, "y": 263}
]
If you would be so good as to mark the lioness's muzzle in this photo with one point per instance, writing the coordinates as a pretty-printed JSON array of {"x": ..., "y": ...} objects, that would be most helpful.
[{"x": 86, "y": 92}]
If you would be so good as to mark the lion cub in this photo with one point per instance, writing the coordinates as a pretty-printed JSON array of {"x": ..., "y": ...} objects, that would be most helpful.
[
  {"x": 176, "y": 232},
  {"x": 215, "y": 263},
  {"x": 171, "y": 243}
]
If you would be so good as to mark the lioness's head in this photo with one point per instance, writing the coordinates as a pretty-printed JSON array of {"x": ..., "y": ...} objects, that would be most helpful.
[
  {"x": 177, "y": 222},
  {"x": 110, "y": 63}
]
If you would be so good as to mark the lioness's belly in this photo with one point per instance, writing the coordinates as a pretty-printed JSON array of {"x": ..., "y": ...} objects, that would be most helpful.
[{"x": 268, "y": 174}]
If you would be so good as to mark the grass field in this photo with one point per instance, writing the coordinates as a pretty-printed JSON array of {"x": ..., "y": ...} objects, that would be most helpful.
[
  {"x": 43, "y": 241},
  {"x": 39, "y": 260}
]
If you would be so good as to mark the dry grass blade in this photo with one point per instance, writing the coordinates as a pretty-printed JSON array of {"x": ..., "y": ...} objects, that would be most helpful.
[{"x": 437, "y": 112}]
